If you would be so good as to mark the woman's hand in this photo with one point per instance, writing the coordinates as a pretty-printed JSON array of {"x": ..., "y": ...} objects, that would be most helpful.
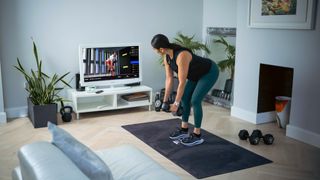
[{"x": 173, "y": 108}]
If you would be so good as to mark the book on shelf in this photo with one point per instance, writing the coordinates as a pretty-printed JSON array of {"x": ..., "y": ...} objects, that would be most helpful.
[{"x": 135, "y": 96}]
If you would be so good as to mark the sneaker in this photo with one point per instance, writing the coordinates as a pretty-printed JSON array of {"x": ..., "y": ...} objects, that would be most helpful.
[
  {"x": 178, "y": 134},
  {"x": 192, "y": 140}
]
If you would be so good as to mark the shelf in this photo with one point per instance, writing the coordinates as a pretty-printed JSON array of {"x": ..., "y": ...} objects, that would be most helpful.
[
  {"x": 121, "y": 103},
  {"x": 94, "y": 106},
  {"x": 109, "y": 99}
]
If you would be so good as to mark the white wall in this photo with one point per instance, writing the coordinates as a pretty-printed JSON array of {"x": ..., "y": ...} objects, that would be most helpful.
[
  {"x": 298, "y": 49},
  {"x": 3, "y": 115},
  {"x": 219, "y": 13},
  {"x": 215, "y": 15},
  {"x": 59, "y": 26}
]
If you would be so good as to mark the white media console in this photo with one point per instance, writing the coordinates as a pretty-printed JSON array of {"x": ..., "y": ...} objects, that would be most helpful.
[{"x": 109, "y": 99}]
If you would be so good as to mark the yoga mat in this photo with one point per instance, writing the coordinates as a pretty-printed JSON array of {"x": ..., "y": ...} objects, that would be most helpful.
[{"x": 215, "y": 156}]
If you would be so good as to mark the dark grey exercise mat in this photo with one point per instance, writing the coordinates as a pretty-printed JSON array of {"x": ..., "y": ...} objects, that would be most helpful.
[{"x": 215, "y": 156}]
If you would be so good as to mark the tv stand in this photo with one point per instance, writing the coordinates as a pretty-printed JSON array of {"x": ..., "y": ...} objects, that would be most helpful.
[
  {"x": 108, "y": 99},
  {"x": 92, "y": 89},
  {"x": 118, "y": 88}
]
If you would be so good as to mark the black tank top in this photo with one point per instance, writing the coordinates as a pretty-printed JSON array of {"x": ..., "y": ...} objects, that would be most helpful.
[{"x": 198, "y": 66}]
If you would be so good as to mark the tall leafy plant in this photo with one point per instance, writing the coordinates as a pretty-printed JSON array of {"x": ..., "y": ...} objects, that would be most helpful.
[
  {"x": 42, "y": 88},
  {"x": 229, "y": 62}
]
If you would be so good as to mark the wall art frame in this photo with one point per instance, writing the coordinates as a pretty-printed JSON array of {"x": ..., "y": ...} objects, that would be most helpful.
[{"x": 281, "y": 14}]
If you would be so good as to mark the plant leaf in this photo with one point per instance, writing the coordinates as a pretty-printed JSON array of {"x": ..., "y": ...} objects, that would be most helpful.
[
  {"x": 227, "y": 64},
  {"x": 41, "y": 87},
  {"x": 188, "y": 42}
]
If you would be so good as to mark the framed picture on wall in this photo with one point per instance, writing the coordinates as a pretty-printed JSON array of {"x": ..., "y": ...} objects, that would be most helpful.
[{"x": 281, "y": 14}]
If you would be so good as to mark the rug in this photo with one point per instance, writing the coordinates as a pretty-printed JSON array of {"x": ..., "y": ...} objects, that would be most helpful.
[{"x": 215, "y": 156}]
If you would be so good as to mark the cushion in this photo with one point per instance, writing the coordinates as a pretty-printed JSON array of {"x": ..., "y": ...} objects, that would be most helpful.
[
  {"x": 85, "y": 159},
  {"x": 129, "y": 162}
]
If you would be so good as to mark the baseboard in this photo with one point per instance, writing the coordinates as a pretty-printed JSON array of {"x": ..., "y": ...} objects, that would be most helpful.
[
  {"x": 303, "y": 135},
  {"x": 243, "y": 114},
  {"x": 3, "y": 117},
  {"x": 17, "y": 112},
  {"x": 266, "y": 117}
]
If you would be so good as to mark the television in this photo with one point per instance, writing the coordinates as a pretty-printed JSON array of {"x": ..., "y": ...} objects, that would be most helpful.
[{"x": 109, "y": 65}]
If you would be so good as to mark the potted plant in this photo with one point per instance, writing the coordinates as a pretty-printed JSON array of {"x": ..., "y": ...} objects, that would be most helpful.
[
  {"x": 228, "y": 63},
  {"x": 43, "y": 92}
]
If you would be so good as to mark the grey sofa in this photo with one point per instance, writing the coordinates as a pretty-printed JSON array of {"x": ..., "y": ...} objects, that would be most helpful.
[
  {"x": 66, "y": 158},
  {"x": 45, "y": 161}
]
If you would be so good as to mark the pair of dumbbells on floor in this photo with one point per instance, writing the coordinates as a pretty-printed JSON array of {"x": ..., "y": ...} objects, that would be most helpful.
[{"x": 255, "y": 137}]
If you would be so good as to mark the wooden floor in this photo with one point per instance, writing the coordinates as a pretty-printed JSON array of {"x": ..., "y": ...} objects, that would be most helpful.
[{"x": 291, "y": 159}]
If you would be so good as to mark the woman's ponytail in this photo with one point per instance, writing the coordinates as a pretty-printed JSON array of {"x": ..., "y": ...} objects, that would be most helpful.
[{"x": 161, "y": 41}]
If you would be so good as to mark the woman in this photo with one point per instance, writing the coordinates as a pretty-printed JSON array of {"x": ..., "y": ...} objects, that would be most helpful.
[{"x": 196, "y": 77}]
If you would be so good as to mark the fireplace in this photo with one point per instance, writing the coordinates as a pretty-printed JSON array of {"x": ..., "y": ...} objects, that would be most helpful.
[{"x": 273, "y": 81}]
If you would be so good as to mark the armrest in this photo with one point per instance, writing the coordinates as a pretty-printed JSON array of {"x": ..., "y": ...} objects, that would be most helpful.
[
  {"x": 43, "y": 160},
  {"x": 16, "y": 174}
]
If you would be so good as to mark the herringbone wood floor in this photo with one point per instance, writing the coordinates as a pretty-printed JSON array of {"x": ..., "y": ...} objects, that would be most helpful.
[{"x": 291, "y": 159}]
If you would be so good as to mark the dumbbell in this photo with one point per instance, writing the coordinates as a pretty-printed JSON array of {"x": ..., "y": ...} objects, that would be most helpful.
[
  {"x": 255, "y": 136},
  {"x": 166, "y": 108},
  {"x": 254, "y": 139},
  {"x": 268, "y": 139},
  {"x": 157, "y": 102},
  {"x": 178, "y": 112},
  {"x": 243, "y": 134}
]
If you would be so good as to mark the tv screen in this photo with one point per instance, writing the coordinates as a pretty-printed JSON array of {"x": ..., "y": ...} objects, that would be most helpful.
[{"x": 109, "y": 65}]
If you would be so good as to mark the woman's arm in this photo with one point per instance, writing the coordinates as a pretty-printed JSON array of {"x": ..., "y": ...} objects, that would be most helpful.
[
  {"x": 169, "y": 80},
  {"x": 183, "y": 60}
]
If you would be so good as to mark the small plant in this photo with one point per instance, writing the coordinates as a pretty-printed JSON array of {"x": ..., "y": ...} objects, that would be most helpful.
[
  {"x": 228, "y": 63},
  {"x": 190, "y": 43},
  {"x": 42, "y": 88}
]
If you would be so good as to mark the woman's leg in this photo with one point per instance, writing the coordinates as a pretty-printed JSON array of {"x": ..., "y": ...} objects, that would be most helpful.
[
  {"x": 182, "y": 132},
  {"x": 186, "y": 102},
  {"x": 202, "y": 88}
]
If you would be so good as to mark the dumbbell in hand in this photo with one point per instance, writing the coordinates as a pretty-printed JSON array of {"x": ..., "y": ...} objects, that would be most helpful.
[
  {"x": 165, "y": 107},
  {"x": 178, "y": 112},
  {"x": 255, "y": 137}
]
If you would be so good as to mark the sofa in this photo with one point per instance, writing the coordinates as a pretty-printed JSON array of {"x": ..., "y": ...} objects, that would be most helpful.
[{"x": 66, "y": 161}]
